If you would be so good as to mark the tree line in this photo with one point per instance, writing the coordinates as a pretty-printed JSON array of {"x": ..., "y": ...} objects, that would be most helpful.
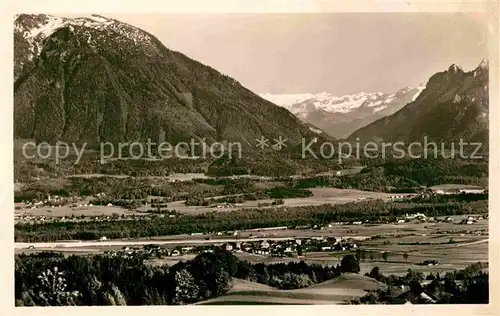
[
  {"x": 51, "y": 279},
  {"x": 371, "y": 211}
]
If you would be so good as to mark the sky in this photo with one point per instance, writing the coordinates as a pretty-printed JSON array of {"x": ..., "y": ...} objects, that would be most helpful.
[{"x": 339, "y": 53}]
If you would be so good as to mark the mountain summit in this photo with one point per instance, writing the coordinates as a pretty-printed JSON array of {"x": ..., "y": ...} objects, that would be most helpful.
[
  {"x": 95, "y": 79},
  {"x": 453, "y": 106}
]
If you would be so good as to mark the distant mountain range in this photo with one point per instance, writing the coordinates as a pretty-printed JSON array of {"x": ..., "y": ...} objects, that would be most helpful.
[
  {"x": 95, "y": 79},
  {"x": 339, "y": 116},
  {"x": 453, "y": 106}
]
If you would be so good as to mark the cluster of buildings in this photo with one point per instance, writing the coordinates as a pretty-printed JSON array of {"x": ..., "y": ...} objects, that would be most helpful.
[
  {"x": 418, "y": 217},
  {"x": 471, "y": 220},
  {"x": 276, "y": 248},
  {"x": 460, "y": 191},
  {"x": 50, "y": 201},
  {"x": 400, "y": 197},
  {"x": 29, "y": 218},
  {"x": 290, "y": 247}
]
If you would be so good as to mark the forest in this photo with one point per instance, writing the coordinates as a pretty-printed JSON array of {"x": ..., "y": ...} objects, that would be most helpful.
[{"x": 51, "y": 279}]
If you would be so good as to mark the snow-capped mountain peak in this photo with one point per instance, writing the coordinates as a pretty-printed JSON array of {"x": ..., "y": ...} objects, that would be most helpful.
[
  {"x": 324, "y": 101},
  {"x": 35, "y": 28},
  {"x": 325, "y": 110}
]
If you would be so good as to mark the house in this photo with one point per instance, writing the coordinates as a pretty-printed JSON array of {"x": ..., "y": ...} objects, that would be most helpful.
[
  {"x": 430, "y": 263},
  {"x": 472, "y": 191},
  {"x": 448, "y": 219},
  {"x": 262, "y": 252},
  {"x": 419, "y": 216},
  {"x": 401, "y": 221},
  {"x": 357, "y": 223},
  {"x": 426, "y": 297},
  {"x": 264, "y": 245},
  {"x": 103, "y": 238},
  {"x": 19, "y": 206},
  {"x": 228, "y": 247}
]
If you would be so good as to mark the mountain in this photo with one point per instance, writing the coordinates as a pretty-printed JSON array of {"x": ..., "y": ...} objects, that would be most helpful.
[
  {"x": 453, "y": 106},
  {"x": 95, "y": 79},
  {"x": 339, "y": 116}
]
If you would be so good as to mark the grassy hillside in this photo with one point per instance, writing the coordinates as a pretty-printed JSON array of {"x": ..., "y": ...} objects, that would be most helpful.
[{"x": 340, "y": 290}]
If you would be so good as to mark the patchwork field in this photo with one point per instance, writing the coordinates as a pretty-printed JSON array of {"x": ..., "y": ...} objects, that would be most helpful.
[
  {"x": 445, "y": 242},
  {"x": 320, "y": 196}
]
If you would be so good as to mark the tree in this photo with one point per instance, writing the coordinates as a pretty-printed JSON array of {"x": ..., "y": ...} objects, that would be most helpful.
[
  {"x": 263, "y": 275},
  {"x": 371, "y": 257},
  {"x": 52, "y": 290},
  {"x": 374, "y": 273},
  {"x": 363, "y": 255},
  {"x": 413, "y": 275},
  {"x": 385, "y": 255},
  {"x": 300, "y": 252},
  {"x": 246, "y": 271},
  {"x": 349, "y": 263},
  {"x": 186, "y": 290},
  {"x": 294, "y": 281},
  {"x": 405, "y": 256},
  {"x": 113, "y": 296},
  {"x": 474, "y": 269}
]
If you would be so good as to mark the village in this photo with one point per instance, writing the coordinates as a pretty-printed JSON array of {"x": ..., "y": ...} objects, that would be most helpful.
[{"x": 292, "y": 247}]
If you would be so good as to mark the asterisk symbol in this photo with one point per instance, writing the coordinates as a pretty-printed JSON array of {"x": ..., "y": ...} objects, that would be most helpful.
[
  {"x": 262, "y": 142},
  {"x": 280, "y": 143}
]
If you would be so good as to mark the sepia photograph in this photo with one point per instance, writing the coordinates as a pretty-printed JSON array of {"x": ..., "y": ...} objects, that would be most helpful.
[{"x": 265, "y": 158}]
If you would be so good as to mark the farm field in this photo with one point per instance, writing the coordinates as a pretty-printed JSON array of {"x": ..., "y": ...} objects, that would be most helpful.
[
  {"x": 443, "y": 242},
  {"x": 67, "y": 211},
  {"x": 336, "y": 291},
  {"x": 320, "y": 196}
]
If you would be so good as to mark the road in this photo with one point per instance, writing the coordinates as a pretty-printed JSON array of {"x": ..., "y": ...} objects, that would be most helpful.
[{"x": 472, "y": 243}]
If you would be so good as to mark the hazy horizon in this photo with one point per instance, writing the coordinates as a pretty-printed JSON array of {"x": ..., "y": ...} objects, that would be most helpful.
[{"x": 339, "y": 53}]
